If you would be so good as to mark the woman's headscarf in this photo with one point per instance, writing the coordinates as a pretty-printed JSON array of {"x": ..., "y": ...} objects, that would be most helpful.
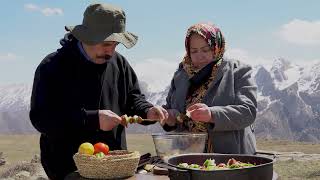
[{"x": 212, "y": 36}]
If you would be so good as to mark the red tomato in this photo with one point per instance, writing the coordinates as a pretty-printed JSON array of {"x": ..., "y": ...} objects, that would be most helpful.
[
  {"x": 231, "y": 161},
  {"x": 101, "y": 147}
]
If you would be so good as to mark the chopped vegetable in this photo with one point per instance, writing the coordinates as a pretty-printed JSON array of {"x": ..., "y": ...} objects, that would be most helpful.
[
  {"x": 209, "y": 162},
  {"x": 247, "y": 164},
  {"x": 231, "y": 161},
  {"x": 184, "y": 165},
  {"x": 194, "y": 166},
  {"x": 209, "y": 168},
  {"x": 222, "y": 165},
  {"x": 135, "y": 118},
  {"x": 236, "y": 165},
  {"x": 130, "y": 120},
  {"x": 126, "y": 118},
  {"x": 210, "y": 165}
]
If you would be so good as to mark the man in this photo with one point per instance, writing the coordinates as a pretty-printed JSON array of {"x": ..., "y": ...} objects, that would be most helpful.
[{"x": 81, "y": 90}]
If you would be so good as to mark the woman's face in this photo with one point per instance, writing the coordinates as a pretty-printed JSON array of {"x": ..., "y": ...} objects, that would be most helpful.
[{"x": 200, "y": 52}]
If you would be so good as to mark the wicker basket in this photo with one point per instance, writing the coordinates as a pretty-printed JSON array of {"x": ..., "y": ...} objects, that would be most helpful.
[{"x": 118, "y": 164}]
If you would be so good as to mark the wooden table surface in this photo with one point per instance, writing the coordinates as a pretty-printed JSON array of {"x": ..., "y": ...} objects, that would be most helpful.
[{"x": 149, "y": 176}]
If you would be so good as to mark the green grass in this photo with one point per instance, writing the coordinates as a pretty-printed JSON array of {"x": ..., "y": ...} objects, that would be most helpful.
[
  {"x": 298, "y": 169},
  {"x": 288, "y": 146},
  {"x": 18, "y": 148}
]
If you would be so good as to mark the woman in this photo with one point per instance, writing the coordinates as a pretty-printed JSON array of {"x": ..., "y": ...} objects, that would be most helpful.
[{"x": 217, "y": 94}]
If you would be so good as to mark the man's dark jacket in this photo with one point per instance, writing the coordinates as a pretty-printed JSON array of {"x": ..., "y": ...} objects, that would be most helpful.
[{"x": 68, "y": 91}]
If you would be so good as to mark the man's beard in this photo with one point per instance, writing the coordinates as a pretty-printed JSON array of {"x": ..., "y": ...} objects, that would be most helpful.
[{"x": 105, "y": 57}]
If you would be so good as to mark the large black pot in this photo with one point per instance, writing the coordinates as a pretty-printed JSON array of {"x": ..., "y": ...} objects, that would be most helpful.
[{"x": 262, "y": 171}]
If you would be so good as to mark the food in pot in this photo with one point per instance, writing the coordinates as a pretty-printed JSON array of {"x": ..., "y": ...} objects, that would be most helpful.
[{"x": 210, "y": 164}]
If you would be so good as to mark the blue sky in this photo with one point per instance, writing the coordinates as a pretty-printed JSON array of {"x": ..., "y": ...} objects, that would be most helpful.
[{"x": 255, "y": 31}]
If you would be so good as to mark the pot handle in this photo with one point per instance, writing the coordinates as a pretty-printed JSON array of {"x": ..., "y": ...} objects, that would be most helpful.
[
  {"x": 266, "y": 153},
  {"x": 167, "y": 166},
  {"x": 175, "y": 173}
]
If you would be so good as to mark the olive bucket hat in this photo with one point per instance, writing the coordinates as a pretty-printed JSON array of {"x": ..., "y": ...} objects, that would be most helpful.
[{"x": 103, "y": 22}]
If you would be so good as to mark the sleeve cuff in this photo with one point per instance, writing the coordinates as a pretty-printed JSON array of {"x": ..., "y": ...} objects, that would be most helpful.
[
  {"x": 91, "y": 120},
  {"x": 145, "y": 112},
  {"x": 145, "y": 123},
  {"x": 168, "y": 128},
  {"x": 215, "y": 116}
]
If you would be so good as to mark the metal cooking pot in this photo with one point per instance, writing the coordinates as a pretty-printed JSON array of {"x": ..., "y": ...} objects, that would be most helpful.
[{"x": 263, "y": 170}]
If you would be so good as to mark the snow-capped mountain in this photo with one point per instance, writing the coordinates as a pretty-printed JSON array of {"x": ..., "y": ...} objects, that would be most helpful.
[
  {"x": 288, "y": 103},
  {"x": 14, "y": 108}
]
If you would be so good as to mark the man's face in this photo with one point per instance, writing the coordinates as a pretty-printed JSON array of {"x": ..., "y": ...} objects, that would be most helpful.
[{"x": 102, "y": 52}]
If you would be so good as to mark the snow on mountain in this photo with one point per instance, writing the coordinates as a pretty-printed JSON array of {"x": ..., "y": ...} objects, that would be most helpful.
[
  {"x": 310, "y": 78},
  {"x": 288, "y": 103},
  {"x": 15, "y": 96},
  {"x": 14, "y": 108},
  {"x": 284, "y": 74}
]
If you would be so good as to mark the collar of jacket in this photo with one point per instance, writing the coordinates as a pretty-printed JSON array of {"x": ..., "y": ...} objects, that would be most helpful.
[{"x": 181, "y": 80}]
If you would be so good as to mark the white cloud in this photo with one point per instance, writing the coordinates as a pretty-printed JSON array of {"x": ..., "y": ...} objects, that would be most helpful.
[
  {"x": 246, "y": 57},
  {"x": 8, "y": 57},
  {"x": 52, "y": 11},
  {"x": 301, "y": 32},
  {"x": 31, "y": 7},
  {"x": 156, "y": 72},
  {"x": 45, "y": 11},
  {"x": 237, "y": 53}
]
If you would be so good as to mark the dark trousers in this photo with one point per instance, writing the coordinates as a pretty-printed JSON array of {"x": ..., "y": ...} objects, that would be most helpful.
[{"x": 57, "y": 169}]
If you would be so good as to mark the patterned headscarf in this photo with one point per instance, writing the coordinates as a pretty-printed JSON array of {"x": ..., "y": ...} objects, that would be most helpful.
[{"x": 211, "y": 34}]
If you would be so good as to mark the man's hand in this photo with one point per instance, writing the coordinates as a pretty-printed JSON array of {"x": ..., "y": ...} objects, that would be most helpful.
[
  {"x": 200, "y": 112},
  {"x": 157, "y": 113},
  {"x": 108, "y": 120}
]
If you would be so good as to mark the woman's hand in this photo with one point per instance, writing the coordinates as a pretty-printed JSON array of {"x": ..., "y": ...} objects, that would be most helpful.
[
  {"x": 157, "y": 113},
  {"x": 200, "y": 112},
  {"x": 172, "y": 118}
]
